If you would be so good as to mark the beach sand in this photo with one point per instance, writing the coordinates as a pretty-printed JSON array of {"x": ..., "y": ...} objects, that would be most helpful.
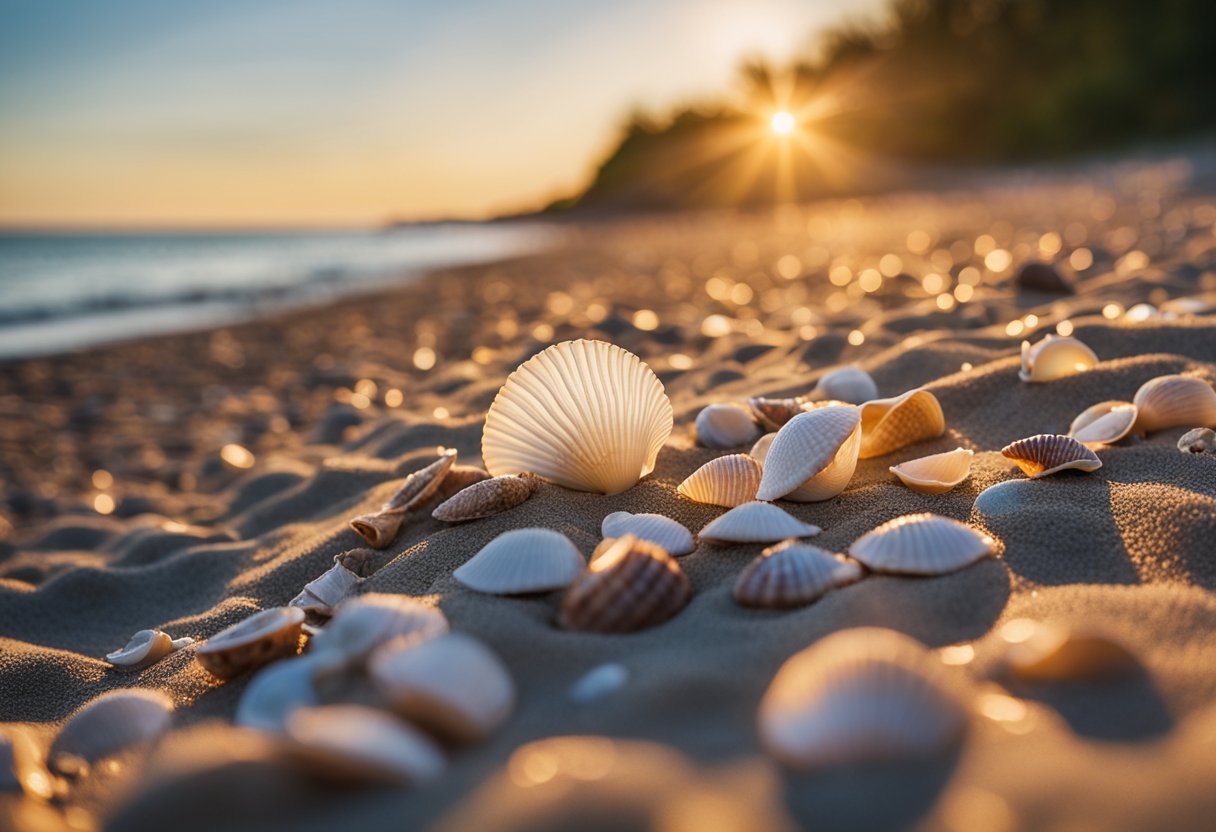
[{"x": 195, "y": 544}]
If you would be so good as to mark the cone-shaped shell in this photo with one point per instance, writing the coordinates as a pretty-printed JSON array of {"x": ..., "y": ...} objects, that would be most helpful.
[
  {"x": 322, "y": 594},
  {"x": 263, "y": 637},
  {"x": 1047, "y": 453},
  {"x": 1104, "y": 423},
  {"x": 380, "y": 528},
  {"x": 921, "y": 544},
  {"x": 814, "y": 454},
  {"x": 935, "y": 474},
  {"x": 487, "y": 498},
  {"x": 363, "y": 623},
  {"x": 756, "y": 522},
  {"x": 771, "y": 414},
  {"x": 890, "y": 424},
  {"x": 452, "y": 685},
  {"x": 859, "y": 696},
  {"x": 1055, "y": 357},
  {"x": 353, "y": 743},
  {"x": 655, "y": 528},
  {"x": 1175, "y": 401},
  {"x": 276, "y": 692},
  {"x": 791, "y": 574},
  {"x": 1049, "y": 653},
  {"x": 726, "y": 426},
  {"x": 522, "y": 561},
  {"x": 587, "y": 415},
  {"x": 759, "y": 451},
  {"x": 630, "y": 585},
  {"x": 727, "y": 481},
  {"x": 852, "y": 385},
  {"x": 110, "y": 723},
  {"x": 146, "y": 647}
]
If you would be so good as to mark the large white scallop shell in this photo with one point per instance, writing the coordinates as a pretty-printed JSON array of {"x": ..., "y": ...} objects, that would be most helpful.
[
  {"x": 846, "y": 384},
  {"x": 656, "y": 528},
  {"x": 791, "y": 574},
  {"x": 813, "y": 456},
  {"x": 363, "y": 623},
  {"x": 1104, "y": 423},
  {"x": 935, "y": 474},
  {"x": 727, "y": 481},
  {"x": 587, "y": 415},
  {"x": 1055, "y": 357},
  {"x": 522, "y": 561},
  {"x": 890, "y": 424},
  {"x": 261, "y": 638},
  {"x": 1046, "y": 453},
  {"x": 756, "y": 522},
  {"x": 361, "y": 744},
  {"x": 146, "y": 647},
  {"x": 921, "y": 544},
  {"x": 859, "y": 696},
  {"x": 1175, "y": 401},
  {"x": 111, "y": 722},
  {"x": 725, "y": 426}
]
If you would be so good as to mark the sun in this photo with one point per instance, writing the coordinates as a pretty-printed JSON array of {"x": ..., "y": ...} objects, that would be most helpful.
[{"x": 782, "y": 123}]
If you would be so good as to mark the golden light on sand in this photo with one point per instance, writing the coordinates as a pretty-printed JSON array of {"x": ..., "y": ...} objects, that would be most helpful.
[
  {"x": 782, "y": 123},
  {"x": 103, "y": 504},
  {"x": 789, "y": 267},
  {"x": 646, "y": 320},
  {"x": 424, "y": 358},
  {"x": 963, "y": 292},
  {"x": 440, "y": 413},
  {"x": 1014, "y": 328},
  {"x": 1112, "y": 311},
  {"x": 680, "y": 361},
  {"x": 1064, "y": 328},
  {"x": 715, "y": 326},
  {"x": 918, "y": 241},
  {"x": 957, "y": 654},
  {"x": 237, "y": 456},
  {"x": 933, "y": 283},
  {"x": 857, "y": 337},
  {"x": 870, "y": 280},
  {"x": 102, "y": 479},
  {"x": 890, "y": 265},
  {"x": 1050, "y": 243},
  {"x": 393, "y": 397},
  {"x": 998, "y": 260},
  {"x": 1081, "y": 259},
  {"x": 359, "y": 401},
  {"x": 1001, "y": 708}
]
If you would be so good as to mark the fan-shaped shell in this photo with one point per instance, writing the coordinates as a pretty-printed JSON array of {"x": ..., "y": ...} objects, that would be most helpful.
[
  {"x": 791, "y": 574},
  {"x": 363, "y": 623},
  {"x": 759, "y": 451},
  {"x": 727, "y": 481},
  {"x": 656, "y": 528},
  {"x": 725, "y": 426},
  {"x": 935, "y": 474},
  {"x": 890, "y": 424},
  {"x": 1055, "y": 357},
  {"x": 771, "y": 414},
  {"x": 354, "y": 743},
  {"x": 522, "y": 561},
  {"x": 452, "y": 685},
  {"x": 858, "y": 696},
  {"x": 146, "y": 647},
  {"x": 1104, "y": 423},
  {"x": 111, "y": 722},
  {"x": 1047, "y": 453},
  {"x": 322, "y": 594},
  {"x": 276, "y": 692},
  {"x": 630, "y": 585},
  {"x": 1175, "y": 401},
  {"x": 263, "y": 637},
  {"x": 849, "y": 384},
  {"x": 1047, "y": 653},
  {"x": 587, "y": 415},
  {"x": 487, "y": 498},
  {"x": 813, "y": 456},
  {"x": 921, "y": 544},
  {"x": 756, "y": 522}
]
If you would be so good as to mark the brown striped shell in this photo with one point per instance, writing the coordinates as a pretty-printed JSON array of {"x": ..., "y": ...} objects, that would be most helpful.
[
  {"x": 630, "y": 585},
  {"x": 727, "y": 481},
  {"x": 771, "y": 414},
  {"x": 487, "y": 498},
  {"x": 1047, "y": 453},
  {"x": 791, "y": 574}
]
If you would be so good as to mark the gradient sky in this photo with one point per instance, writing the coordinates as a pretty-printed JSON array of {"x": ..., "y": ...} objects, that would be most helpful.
[{"x": 296, "y": 112}]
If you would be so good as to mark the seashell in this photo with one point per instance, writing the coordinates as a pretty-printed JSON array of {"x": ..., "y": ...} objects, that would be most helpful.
[
  {"x": 890, "y": 424},
  {"x": 725, "y": 426},
  {"x": 771, "y": 414},
  {"x": 380, "y": 528},
  {"x": 487, "y": 497},
  {"x": 353, "y": 743},
  {"x": 1189, "y": 305},
  {"x": 813, "y": 457},
  {"x": 655, "y": 528},
  {"x": 598, "y": 682},
  {"x": 727, "y": 481},
  {"x": 1038, "y": 652},
  {"x": 263, "y": 637},
  {"x": 586, "y": 415},
  {"x": 321, "y": 595},
  {"x": 791, "y": 574},
  {"x": 935, "y": 474},
  {"x": 363, "y": 623},
  {"x": 860, "y": 696},
  {"x": 1041, "y": 277},
  {"x": 21, "y": 767},
  {"x": 458, "y": 479},
  {"x": 630, "y": 585},
  {"x": 851, "y": 385},
  {"x": 452, "y": 685},
  {"x": 759, "y": 451},
  {"x": 756, "y": 522},
  {"x": 1055, "y": 357},
  {"x": 1198, "y": 441},
  {"x": 522, "y": 561},
  {"x": 921, "y": 544},
  {"x": 146, "y": 647},
  {"x": 1174, "y": 401},
  {"x": 277, "y": 692},
  {"x": 1047, "y": 453},
  {"x": 1104, "y": 423},
  {"x": 107, "y": 725}
]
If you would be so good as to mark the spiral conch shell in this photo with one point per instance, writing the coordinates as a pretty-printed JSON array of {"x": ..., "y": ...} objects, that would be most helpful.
[
  {"x": 146, "y": 647},
  {"x": 1045, "y": 454},
  {"x": 813, "y": 456},
  {"x": 727, "y": 481},
  {"x": 630, "y": 585},
  {"x": 1055, "y": 357},
  {"x": 935, "y": 474},
  {"x": 1174, "y": 401},
  {"x": 1104, "y": 423},
  {"x": 890, "y": 424},
  {"x": 791, "y": 574},
  {"x": 322, "y": 594},
  {"x": 725, "y": 426},
  {"x": 586, "y": 415}
]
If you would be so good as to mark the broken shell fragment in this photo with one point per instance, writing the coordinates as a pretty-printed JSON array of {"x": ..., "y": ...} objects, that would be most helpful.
[
  {"x": 771, "y": 414},
  {"x": 921, "y": 544},
  {"x": 935, "y": 474},
  {"x": 630, "y": 585},
  {"x": 1055, "y": 357},
  {"x": 522, "y": 561},
  {"x": 107, "y": 725},
  {"x": 363, "y": 623},
  {"x": 725, "y": 426},
  {"x": 146, "y": 647},
  {"x": 759, "y": 451},
  {"x": 656, "y": 528},
  {"x": 792, "y": 574},
  {"x": 756, "y": 522},
  {"x": 1045, "y": 454},
  {"x": 727, "y": 481},
  {"x": 263, "y": 637},
  {"x": 1198, "y": 441},
  {"x": 322, "y": 594},
  {"x": 1174, "y": 401},
  {"x": 380, "y": 528},
  {"x": 1039, "y": 652},
  {"x": 1104, "y": 423},
  {"x": 813, "y": 456},
  {"x": 849, "y": 384},
  {"x": 890, "y": 424},
  {"x": 353, "y": 743},
  {"x": 487, "y": 498}
]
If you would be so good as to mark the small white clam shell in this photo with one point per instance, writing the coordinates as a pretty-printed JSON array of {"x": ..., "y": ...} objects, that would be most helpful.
[
  {"x": 598, "y": 682},
  {"x": 276, "y": 692},
  {"x": 587, "y": 415},
  {"x": 858, "y": 696},
  {"x": 890, "y": 424},
  {"x": 263, "y": 637},
  {"x": 846, "y": 384},
  {"x": 107, "y": 725},
  {"x": 1055, "y": 357},
  {"x": 1104, "y": 423},
  {"x": 1039, "y": 652},
  {"x": 1046, "y": 453},
  {"x": 363, "y": 623},
  {"x": 322, "y": 594},
  {"x": 361, "y": 744},
  {"x": 1175, "y": 401},
  {"x": 656, "y": 528},
  {"x": 1198, "y": 441},
  {"x": 791, "y": 574},
  {"x": 452, "y": 685},
  {"x": 935, "y": 474},
  {"x": 759, "y": 451},
  {"x": 522, "y": 561},
  {"x": 146, "y": 647},
  {"x": 921, "y": 544},
  {"x": 727, "y": 481},
  {"x": 726, "y": 426},
  {"x": 813, "y": 456},
  {"x": 756, "y": 522}
]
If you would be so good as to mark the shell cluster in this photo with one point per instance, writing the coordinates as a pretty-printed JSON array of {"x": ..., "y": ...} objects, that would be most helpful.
[{"x": 1160, "y": 403}]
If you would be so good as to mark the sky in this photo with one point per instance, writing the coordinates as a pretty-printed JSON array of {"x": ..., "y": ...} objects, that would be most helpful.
[{"x": 180, "y": 113}]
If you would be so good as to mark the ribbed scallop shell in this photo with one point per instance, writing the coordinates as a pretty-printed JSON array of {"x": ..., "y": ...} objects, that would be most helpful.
[
  {"x": 813, "y": 456},
  {"x": 630, "y": 585},
  {"x": 725, "y": 426},
  {"x": 791, "y": 574},
  {"x": 146, "y": 647},
  {"x": 1047, "y": 453},
  {"x": 756, "y": 522},
  {"x": 452, "y": 685},
  {"x": 1055, "y": 357},
  {"x": 759, "y": 451},
  {"x": 353, "y": 743},
  {"x": 263, "y": 637},
  {"x": 771, "y": 414},
  {"x": 935, "y": 474},
  {"x": 921, "y": 544},
  {"x": 890, "y": 424},
  {"x": 1104, "y": 423},
  {"x": 110, "y": 723},
  {"x": 487, "y": 498},
  {"x": 727, "y": 481},
  {"x": 587, "y": 415},
  {"x": 522, "y": 561},
  {"x": 1052, "y": 653},
  {"x": 859, "y": 696},
  {"x": 1175, "y": 401},
  {"x": 363, "y": 623},
  {"x": 851, "y": 385},
  {"x": 655, "y": 528}
]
